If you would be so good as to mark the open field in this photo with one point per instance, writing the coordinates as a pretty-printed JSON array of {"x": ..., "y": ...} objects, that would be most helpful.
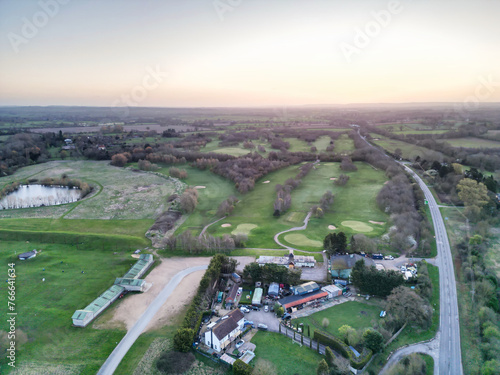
[
  {"x": 119, "y": 193},
  {"x": 353, "y": 313},
  {"x": 343, "y": 145},
  {"x": 355, "y": 201},
  {"x": 45, "y": 308},
  {"x": 279, "y": 350},
  {"x": 471, "y": 142},
  {"x": 216, "y": 190},
  {"x": 409, "y": 151}
]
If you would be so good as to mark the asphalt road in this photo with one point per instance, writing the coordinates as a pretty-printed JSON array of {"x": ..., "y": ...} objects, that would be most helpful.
[
  {"x": 117, "y": 355},
  {"x": 450, "y": 357}
]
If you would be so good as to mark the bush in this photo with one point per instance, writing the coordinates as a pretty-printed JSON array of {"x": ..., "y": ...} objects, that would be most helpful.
[
  {"x": 241, "y": 368},
  {"x": 175, "y": 362},
  {"x": 183, "y": 339}
]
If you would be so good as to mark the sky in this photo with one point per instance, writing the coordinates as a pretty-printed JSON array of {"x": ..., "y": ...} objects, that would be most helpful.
[{"x": 243, "y": 53}]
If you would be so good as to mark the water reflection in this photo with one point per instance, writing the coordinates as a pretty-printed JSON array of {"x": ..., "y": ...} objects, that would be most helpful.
[{"x": 39, "y": 195}]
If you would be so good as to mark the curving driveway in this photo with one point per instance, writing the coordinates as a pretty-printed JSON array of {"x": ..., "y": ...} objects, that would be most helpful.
[
  {"x": 276, "y": 236},
  {"x": 117, "y": 355}
]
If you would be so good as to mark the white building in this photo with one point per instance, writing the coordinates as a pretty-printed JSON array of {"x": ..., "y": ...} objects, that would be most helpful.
[
  {"x": 289, "y": 260},
  {"x": 222, "y": 333}
]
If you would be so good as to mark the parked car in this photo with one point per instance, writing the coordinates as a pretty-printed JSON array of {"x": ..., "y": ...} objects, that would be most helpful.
[
  {"x": 286, "y": 316},
  {"x": 239, "y": 344},
  {"x": 240, "y": 290},
  {"x": 248, "y": 323},
  {"x": 383, "y": 313},
  {"x": 256, "y": 308},
  {"x": 389, "y": 257},
  {"x": 266, "y": 308},
  {"x": 262, "y": 327},
  {"x": 244, "y": 309}
]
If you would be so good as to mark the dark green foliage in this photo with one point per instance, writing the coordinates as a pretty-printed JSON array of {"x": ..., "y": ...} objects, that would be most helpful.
[
  {"x": 322, "y": 368},
  {"x": 175, "y": 362},
  {"x": 329, "y": 356},
  {"x": 183, "y": 339},
  {"x": 241, "y": 368},
  {"x": 272, "y": 273},
  {"x": 371, "y": 281},
  {"x": 335, "y": 242},
  {"x": 373, "y": 340}
]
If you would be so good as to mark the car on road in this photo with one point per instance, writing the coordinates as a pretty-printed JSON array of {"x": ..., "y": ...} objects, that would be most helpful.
[
  {"x": 239, "y": 344},
  {"x": 244, "y": 309},
  {"x": 389, "y": 257},
  {"x": 266, "y": 308}
]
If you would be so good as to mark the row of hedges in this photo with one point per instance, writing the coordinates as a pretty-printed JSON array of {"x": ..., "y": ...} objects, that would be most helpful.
[
  {"x": 83, "y": 241},
  {"x": 342, "y": 348}
]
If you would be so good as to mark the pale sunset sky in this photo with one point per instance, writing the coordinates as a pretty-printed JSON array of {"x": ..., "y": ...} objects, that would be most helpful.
[{"x": 247, "y": 53}]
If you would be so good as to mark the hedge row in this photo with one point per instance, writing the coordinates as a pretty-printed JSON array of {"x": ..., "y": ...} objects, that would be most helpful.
[{"x": 342, "y": 348}]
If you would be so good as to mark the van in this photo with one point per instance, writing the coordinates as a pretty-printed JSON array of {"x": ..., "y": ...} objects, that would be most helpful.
[{"x": 262, "y": 327}]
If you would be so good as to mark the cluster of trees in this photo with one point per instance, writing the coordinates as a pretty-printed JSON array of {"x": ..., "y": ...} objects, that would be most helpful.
[
  {"x": 284, "y": 198},
  {"x": 474, "y": 195},
  {"x": 146, "y": 165},
  {"x": 341, "y": 180},
  {"x": 335, "y": 243},
  {"x": 227, "y": 206},
  {"x": 178, "y": 173},
  {"x": 412, "y": 364},
  {"x": 369, "y": 280},
  {"x": 206, "y": 243},
  {"x": 490, "y": 183},
  {"x": 271, "y": 272},
  {"x": 189, "y": 200},
  {"x": 360, "y": 243},
  {"x": 325, "y": 203},
  {"x": 64, "y": 180},
  {"x": 347, "y": 165}
]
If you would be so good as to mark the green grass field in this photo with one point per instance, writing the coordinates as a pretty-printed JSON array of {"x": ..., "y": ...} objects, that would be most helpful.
[
  {"x": 343, "y": 145},
  {"x": 355, "y": 201},
  {"x": 46, "y": 338},
  {"x": 409, "y": 151},
  {"x": 471, "y": 142},
  {"x": 353, "y": 313},
  {"x": 288, "y": 358}
]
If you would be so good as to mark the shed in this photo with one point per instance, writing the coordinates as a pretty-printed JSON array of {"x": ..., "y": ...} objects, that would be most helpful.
[
  {"x": 231, "y": 296},
  {"x": 136, "y": 285},
  {"x": 297, "y": 300},
  {"x": 235, "y": 277},
  {"x": 274, "y": 290},
  {"x": 305, "y": 288},
  {"x": 332, "y": 290},
  {"x": 257, "y": 297}
]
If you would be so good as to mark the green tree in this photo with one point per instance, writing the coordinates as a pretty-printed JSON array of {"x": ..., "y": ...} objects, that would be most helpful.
[
  {"x": 344, "y": 332},
  {"x": 329, "y": 356},
  {"x": 490, "y": 367},
  {"x": 253, "y": 270},
  {"x": 241, "y": 368},
  {"x": 474, "y": 195},
  {"x": 183, "y": 339},
  {"x": 406, "y": 306},
  {"x": 373, "y": 340},
  {"x": 322, "y": 368}
]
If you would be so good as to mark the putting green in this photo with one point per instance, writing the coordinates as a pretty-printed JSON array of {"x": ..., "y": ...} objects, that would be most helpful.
[
  {"x": 358, "y": 226},
  {"x": 244, "y": 228},
  {"x": 301, "y": 240}
]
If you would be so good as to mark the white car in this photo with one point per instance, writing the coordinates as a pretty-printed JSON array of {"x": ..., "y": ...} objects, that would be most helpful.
[
  {"x": 266, "y": 308},
  {"x": 244, "y": 309},
  {"x": 389, "y": 257},
  {"x": 239, "y": 343}
]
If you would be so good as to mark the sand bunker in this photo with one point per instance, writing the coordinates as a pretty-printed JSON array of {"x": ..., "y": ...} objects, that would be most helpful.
[
  {"x": 266, "y": 182},
  {"x": 332, "y": 227},
  {"x": 200, "y": 187},
  {"x": 244, "y": 228},
  {"x": 227, "y": 225},
  {"x": 333, "y": 178},
  {"x": 358, "y": 226},
  {"x": 376, "y": 222}
]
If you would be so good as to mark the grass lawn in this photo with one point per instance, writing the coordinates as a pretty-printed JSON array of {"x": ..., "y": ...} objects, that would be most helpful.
[
  {"x": 353, "y": 313},
  {"x": 288, "y": 358},
  {"x": 46, "y": 338},
  {"x": 409, "y": 334},
  {"x": 409, "y": 151},
  {"x": 216, "y": 190},
  {"x": 355, "y": 201},
  {"x": 344, "y": 144},
  {"x": 471, "y": 142}
]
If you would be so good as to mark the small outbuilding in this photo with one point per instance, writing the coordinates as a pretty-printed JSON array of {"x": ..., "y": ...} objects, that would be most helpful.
[
  {"x": 274, "y": 290},
  {"x": 257, "y": 297}
]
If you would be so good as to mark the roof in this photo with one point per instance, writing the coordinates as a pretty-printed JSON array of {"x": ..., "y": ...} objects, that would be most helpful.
[
  {"x": 285, "y": 260},
  {"x": 306, "y": 288},
  {"x": 227, "y": 325},
  {"x": 99, "y": 302},
  {"x": 345, "y": 262},
  {"x": 332, "y": 289},
  {"x": 129, "y": 282},
  {"x": 257, "y": 295},
  {"x": 292, "y": 301},
  {"x": 274, "y": 288},
  {"x": 28, "y": 254},
  {"x": 232, "y": 293},
  {"x": 139, "y": 266}
]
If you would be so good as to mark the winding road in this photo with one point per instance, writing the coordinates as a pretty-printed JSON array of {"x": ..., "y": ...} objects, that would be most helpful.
[
  {"x": 122, "y": 348},
  {"x": 276, "y": 236},
  {"x": 449, "y": 360}
]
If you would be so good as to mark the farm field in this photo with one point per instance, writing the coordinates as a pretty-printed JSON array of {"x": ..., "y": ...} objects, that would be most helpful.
[
  {"x": 409, "y": 151},
  {"x": 471, "y": 142},
  {"x": 119, "y": 193},
  {"x": 353, "y": 202},
  {"x": 355, "y": 314},
  {"x": 46, "y": 340},
  {"x": 279, "y": 349}
]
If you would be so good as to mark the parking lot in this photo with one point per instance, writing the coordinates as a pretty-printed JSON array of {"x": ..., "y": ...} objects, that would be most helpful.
[{"x": 261, "y": 317}]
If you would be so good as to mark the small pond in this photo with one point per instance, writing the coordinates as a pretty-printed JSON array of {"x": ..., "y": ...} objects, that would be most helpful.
[{"x": 39, "y": 195}]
